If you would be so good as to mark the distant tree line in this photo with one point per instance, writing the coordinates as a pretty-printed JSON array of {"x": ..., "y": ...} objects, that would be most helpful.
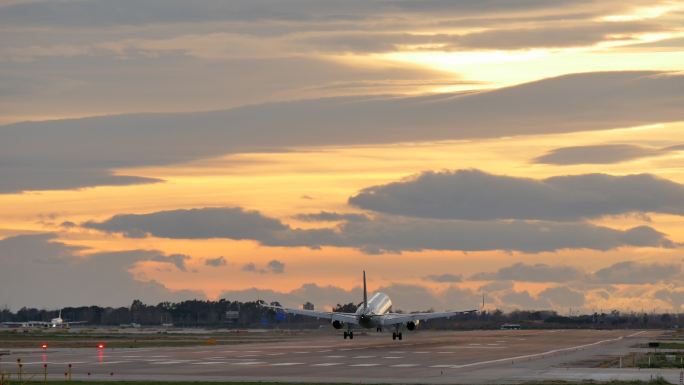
[{"x": 224, "y": 313}]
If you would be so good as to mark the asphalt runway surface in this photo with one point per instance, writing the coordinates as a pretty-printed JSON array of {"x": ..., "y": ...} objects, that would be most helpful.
[{"x": 508, "y": 356}]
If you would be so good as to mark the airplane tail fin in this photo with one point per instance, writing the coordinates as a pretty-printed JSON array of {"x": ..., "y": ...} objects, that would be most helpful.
[{"x": 365, "y": 292}]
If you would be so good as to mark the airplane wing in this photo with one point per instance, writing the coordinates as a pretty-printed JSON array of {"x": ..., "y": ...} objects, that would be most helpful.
[
  {"x": 394, "y": 318},
  {"x": 349, "y": 318}
]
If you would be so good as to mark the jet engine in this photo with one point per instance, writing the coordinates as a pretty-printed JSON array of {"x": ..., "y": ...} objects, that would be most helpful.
[
  {"x": 411, "y": 325},
  {"x": 338, "y": 324}
]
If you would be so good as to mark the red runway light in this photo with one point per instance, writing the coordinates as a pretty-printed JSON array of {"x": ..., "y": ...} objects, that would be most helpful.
[
  {"x": 100, "y": 346},
  {"x": 44, "y": 346}
]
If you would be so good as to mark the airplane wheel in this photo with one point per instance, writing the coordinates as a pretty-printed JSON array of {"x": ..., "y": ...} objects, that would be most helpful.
[
  {"x": 399, "y": 336},
  {"x": 394, "y": 336},
  {"x": 351, "y": 335},
  {"x": 345, "y": 335}
]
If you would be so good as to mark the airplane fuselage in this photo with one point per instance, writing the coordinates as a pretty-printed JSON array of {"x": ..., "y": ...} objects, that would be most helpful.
[{"x": 378, "y": 304}]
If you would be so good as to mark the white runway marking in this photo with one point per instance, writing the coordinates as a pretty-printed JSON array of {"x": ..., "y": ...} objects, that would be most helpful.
[
  {"x": 357, "y": 357},
  {"x": 335, "y": 356},
  {"x": 404, "y": 365},
  {"x": 170, "y": 362},
  {"x": 288, "y": 364},
  {"x": 209, "y": 363},
  {"x": 327, "y": 364},
  {"x": 250, "y": 363},
  {"x": 441, "y": 366},
  {"x": 445, "y": 352},
  {"x": 275, "y": 354},
  {"x": 392, "y": 357},
  {"x": 535, "y": 354},
  {"x": 365, "y": 365},
  {"x": 302, "y": 352},
  {"x": 114, "y": 362}
]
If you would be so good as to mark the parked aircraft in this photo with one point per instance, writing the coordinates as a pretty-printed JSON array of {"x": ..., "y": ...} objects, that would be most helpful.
[
  {"x": 58, "y": 322},
  {"x": 373, "y": 313}
]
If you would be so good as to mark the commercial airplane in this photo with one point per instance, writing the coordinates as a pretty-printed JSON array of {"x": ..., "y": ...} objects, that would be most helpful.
[
  {"x": 53, "y": 323},
  {"x": 373, "y": 313}
]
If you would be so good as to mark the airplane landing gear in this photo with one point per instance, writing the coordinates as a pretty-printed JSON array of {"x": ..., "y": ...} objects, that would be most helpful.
[
  {"x": 349, "y": 334},
  {"x": 396, "y": 335},
  {"x": 378, "y": 330}
]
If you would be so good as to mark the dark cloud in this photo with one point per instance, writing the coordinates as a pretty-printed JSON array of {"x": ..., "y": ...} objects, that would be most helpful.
[
  {"x": 52, "y": 177},
  {"x": 674, "y": 297},
  {"x": 205, "y": 223},
  {"x": 250, "y": 267},
  {"x": 273, "y": 267},
  {"x": 562, "y": 296},
  {"x": 601, "y": 154},
  {"x": 33, "y": 265},
  {"x": 216, "y": 262},
  {"x": 630, "y": 272},
  {"x": 98, "y": 145},
  {"x": 140, "y": 12},
  {"x": 444, "y": 278},
  {"x": 326, "y": 216},
  {"x": 476, "y": 195},
  {"x": 381, "y": 234},
  {"x": 532, "y": 273}
]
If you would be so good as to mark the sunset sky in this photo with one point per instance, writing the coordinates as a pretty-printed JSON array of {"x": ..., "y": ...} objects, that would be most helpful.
[{"x": 530, "y": 150}]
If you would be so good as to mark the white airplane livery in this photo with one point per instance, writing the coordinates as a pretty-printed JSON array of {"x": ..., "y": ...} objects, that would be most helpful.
[{"x": 373, "y": 313}]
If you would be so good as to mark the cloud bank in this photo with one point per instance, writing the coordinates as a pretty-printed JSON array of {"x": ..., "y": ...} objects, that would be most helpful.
[
  {"x": 476, "y": 195},
  {"x": 380, "y": 234},
  {"x": 41, "y": 264},
  {"x": 602, "y": 154},
  {"x": 87, "y": 150}
]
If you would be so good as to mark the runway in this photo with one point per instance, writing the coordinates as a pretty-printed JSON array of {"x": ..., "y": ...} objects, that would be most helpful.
[{"x": 425, "y": 357}]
